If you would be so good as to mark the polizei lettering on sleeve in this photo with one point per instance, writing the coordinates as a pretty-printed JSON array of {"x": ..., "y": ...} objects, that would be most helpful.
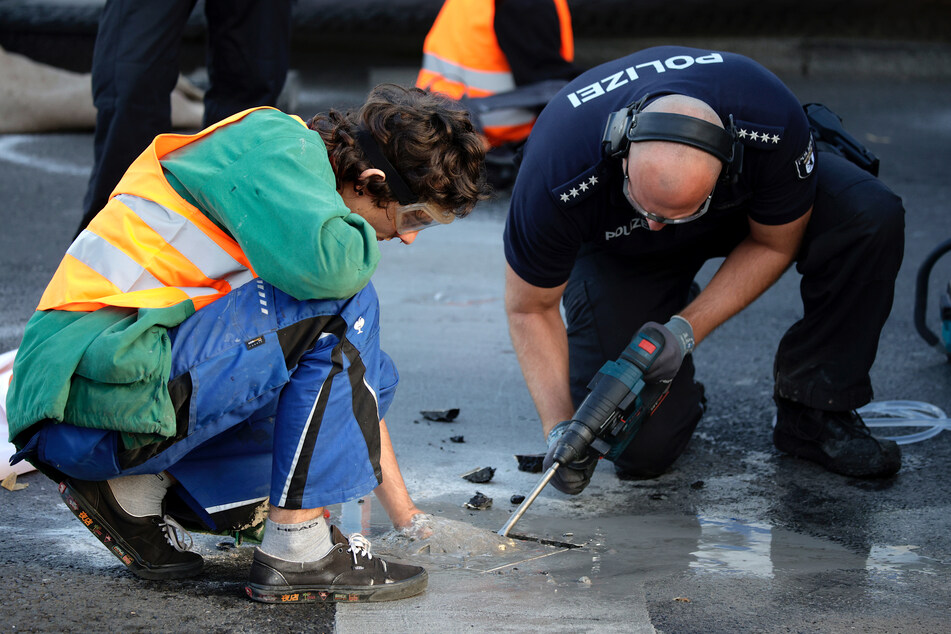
[{"x": 633, "y": 73}]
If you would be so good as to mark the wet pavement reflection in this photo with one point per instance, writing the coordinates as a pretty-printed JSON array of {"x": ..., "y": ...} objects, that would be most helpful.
[{"x": 597, "y": 550}]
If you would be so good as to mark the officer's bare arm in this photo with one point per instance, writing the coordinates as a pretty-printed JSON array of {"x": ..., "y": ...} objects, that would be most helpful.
[
  {"x": 752, "y": 267},
  {"x": 541, "y": 345}
]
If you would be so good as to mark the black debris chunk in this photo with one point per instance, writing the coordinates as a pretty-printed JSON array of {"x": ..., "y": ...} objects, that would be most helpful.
[
  {"x": 479, "y": 502},
  {"x": 457, "y": 439},
  {"x": 517, "y": 499},
  {"x": 697, "y": 485},
  {"x": 532, "y": 463},
  {"x": 657, "y": 496},
  {"x": 480, "y": 475},
  {"x": 441, "y": 415}
]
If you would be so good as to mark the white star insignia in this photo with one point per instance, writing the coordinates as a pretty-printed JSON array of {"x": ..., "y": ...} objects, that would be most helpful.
[
  {"x": 583, "y": 186},
  {"x": 564, "y": 198},
  {"x": 775, "y": 138},
  {"x": 593, "y": 180},
  {"x": 754, "y": 135},
  {"x": 573, "y": 192},
  {"x": 743, "y": 133}
]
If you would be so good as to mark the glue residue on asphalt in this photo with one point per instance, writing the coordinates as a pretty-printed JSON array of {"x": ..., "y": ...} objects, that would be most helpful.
[
  {"x": 433, "y": 535},
  {"x": 442, "y": 539}
]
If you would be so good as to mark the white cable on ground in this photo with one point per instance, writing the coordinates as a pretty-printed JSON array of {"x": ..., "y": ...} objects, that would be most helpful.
[{"x": 906, "y": 414}]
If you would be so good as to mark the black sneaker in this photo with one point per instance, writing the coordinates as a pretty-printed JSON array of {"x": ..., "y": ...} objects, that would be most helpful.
[
  {"x": 149, "y": 546},
  {"x": 839, "y": 441},
  {"x": 347, "y": 573}
]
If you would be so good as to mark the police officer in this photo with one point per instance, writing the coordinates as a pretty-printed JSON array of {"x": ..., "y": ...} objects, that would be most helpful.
[{"x": 638, "y": 172}]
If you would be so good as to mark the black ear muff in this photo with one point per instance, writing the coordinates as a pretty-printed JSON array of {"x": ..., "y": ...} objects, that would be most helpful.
[
  {"x": 678, "y": 128},
  {"x": 629, "y": 125}
]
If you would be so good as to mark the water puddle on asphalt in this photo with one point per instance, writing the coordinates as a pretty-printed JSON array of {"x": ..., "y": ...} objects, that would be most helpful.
[
  {"x": 595, "y": 550},
  {"x": 894, "y": 561},
  {"x": 733, "y": 546},
  {"x": 442, "y": 540}
]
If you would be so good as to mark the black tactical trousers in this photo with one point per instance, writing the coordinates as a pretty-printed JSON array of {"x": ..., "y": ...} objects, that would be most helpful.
[
  {"x": 136, "y": 66},
  {"x": 849, "y": 260}
]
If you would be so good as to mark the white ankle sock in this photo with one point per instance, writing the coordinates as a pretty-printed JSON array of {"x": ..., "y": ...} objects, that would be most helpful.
[
  {"x": 141, "y": 495},
  {"x": 307, "y": 541}
]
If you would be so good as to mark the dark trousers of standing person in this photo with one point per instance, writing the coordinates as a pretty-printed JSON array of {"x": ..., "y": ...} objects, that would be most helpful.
[
  {"x": 849, "y": 260},
  {"x": 136, "y": 66}
]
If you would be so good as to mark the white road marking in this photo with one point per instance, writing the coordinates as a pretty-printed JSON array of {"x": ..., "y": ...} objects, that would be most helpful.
[{"x": 11, "y": 153}]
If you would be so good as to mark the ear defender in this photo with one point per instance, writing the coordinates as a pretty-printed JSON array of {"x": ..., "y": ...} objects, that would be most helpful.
[{"x": 630, "y": 125}]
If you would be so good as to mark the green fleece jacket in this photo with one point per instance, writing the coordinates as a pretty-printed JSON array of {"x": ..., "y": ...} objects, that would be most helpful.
[{"x": 267, "y": 182}]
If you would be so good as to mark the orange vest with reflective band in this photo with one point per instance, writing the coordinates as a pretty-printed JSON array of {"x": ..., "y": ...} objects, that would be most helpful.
[
  {"x": 148, "y": 247},
  {"x": 461, "y": 57}
]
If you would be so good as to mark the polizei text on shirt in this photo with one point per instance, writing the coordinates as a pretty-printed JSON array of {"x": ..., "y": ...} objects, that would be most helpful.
[{"x": 630, "y": 74}]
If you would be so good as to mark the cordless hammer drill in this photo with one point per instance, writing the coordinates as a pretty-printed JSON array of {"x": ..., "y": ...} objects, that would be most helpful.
[{"x": 611, "y": 414}]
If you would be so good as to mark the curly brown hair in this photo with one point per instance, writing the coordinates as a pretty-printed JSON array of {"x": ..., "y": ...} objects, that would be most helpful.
[{"x": 428, "y": 138}]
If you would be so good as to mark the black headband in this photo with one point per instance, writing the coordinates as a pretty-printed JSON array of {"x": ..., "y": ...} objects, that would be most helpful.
[
  {"x": 678, "y": 128},
  {"x": 630, "y": 125},
  {"x": 404, "y": 195}
]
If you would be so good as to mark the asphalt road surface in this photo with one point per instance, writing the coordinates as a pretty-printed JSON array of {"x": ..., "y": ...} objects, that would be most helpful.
[{"x": 736, "y": 537}]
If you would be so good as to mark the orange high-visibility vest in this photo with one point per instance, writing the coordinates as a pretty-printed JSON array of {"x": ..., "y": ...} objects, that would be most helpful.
[
  {"x": 148, "y": 247},
  {"x": 461, "y": 57}
]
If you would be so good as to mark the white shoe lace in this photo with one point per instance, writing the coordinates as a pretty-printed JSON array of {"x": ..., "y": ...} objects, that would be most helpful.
[
  {"x": 177, "y": 536},
  {"x": 359, "y": 545}
]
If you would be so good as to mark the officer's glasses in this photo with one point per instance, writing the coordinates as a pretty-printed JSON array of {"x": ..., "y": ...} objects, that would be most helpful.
[
  {"x": 660, "y": 219},
  {"x": 417, "y": 216}
]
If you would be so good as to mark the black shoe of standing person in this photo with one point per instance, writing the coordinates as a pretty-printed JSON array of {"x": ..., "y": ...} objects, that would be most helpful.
[
  {"x": 347, "y": 573},
  {"x": 150, "y": 546},
  {"x": 839, "y": 441}
]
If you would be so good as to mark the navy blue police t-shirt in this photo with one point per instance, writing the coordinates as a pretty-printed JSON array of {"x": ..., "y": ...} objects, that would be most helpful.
[{"x": 568, "y": 194}]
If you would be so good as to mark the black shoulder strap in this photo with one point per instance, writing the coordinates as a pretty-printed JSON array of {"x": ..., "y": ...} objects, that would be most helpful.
[{"x": 831, "y": 136}]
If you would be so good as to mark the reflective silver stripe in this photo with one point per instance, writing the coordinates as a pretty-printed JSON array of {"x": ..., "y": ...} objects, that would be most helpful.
[
  {"x": 108, "y": 261},
  {"x": 233, "y": 505},
  {"x": 123, "y": 272},
  {"x": 300, "y": 447},
  {"x": 373, "y": 394},
  {"x": 196, "y": 291},
  {"x": 213, "y": 261},
  {"x": 506, "y": 117},
  {"x": 491, "y": 81}
]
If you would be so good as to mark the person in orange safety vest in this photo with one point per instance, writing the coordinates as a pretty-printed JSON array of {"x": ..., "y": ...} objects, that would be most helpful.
[
  {"x": 207, "y": 354},
  {"x": 478, "y": 48}
]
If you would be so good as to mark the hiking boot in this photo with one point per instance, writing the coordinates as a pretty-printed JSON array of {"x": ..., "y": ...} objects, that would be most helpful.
[
  {"x": 150, "y": 546},
  {"x": 347, "y": 573},
  {"x": 839, "y": 441}
]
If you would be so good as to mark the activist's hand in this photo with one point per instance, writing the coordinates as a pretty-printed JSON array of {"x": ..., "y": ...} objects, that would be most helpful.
[
  {"x": 420, "y": 527},
  {"x": 570, "y": 478},
  {"x": 677, "y": 334}
]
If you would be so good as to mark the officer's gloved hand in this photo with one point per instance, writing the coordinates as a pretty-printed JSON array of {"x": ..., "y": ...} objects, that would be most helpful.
[
  {"x": 570, "y": 478},
  {"x": 678, "y": 343}
]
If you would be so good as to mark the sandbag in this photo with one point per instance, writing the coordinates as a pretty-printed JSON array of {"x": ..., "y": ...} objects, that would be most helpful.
[{"x": 36, "y": 97}]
